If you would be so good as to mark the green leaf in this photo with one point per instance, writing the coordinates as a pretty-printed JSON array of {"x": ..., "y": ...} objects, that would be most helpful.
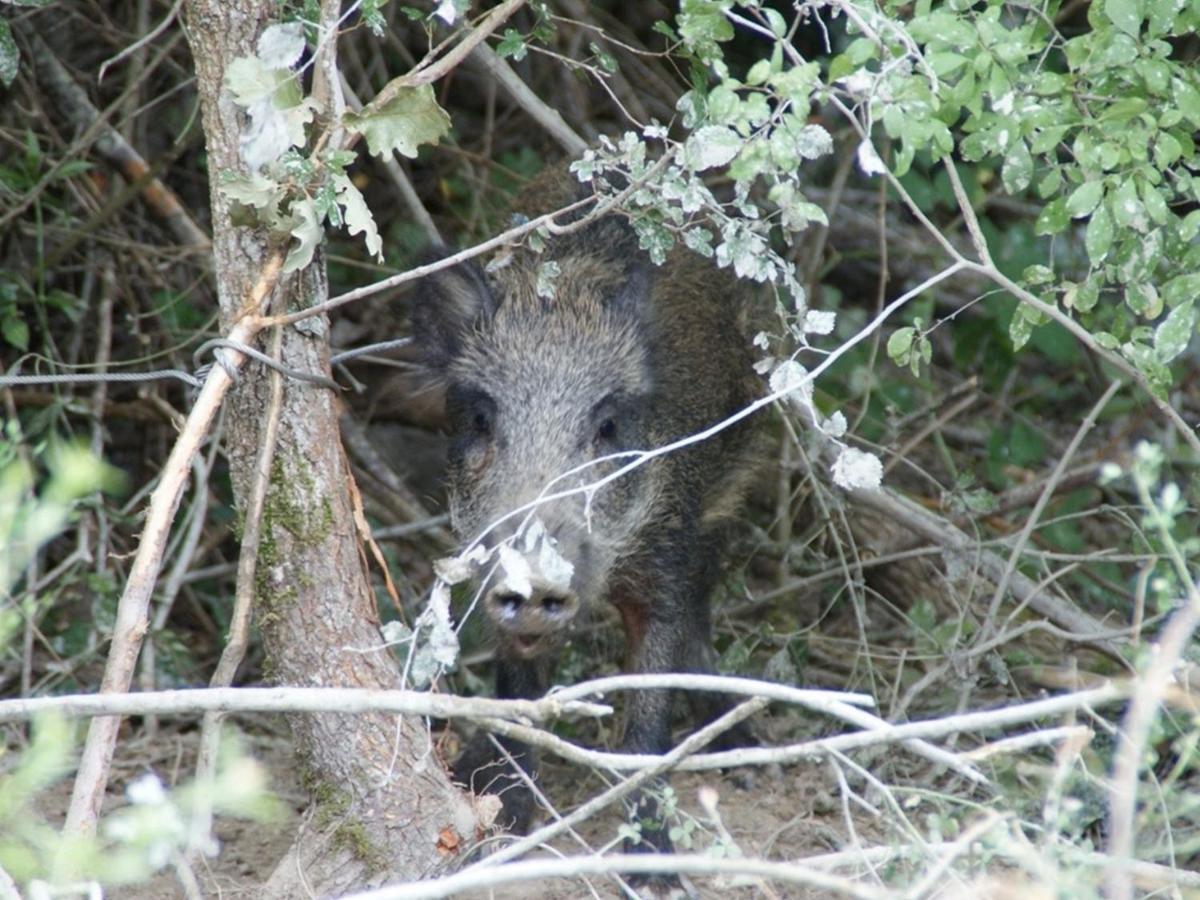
[
  {"x": 1019, "y": 330},
  {"x": 900, "y": 344},
  {"x": 1190, "y": 226},
  {"x": 15, "y": 331},
  {"x": 1053, "y": 218},
  {"x": 1082, "y": 297},
  {"x": 759, "y": 72},
  {"x": 358, "y": 216},
  {"x": 1105, "y": 340},
  {"x": 1187, "y": 98},
  {"x": 1174, "y": 333},
  {"x": 1181, "y": 288},
  {"x": 1167, "y": 150},
  {"x": 1143, "y": 298},
  {"x": 1099, "y": 235},
  {"x": 10, "y": 55},
  {"x": 1126, "y": 15},
  {"x": 702, "y": 24},
  {"x": 1037, "y": 274},
  {"x": 403, "y": 124},
  {"x": 512, "y": 45},
  {"x": 306, "y": 228},
  {"x": 1084, "y": 199},
  {"x": 1127, "y": 209},
  {"x": 946, "y": 63},
  {"x": 1049, "y": 184},
  {"x": 1154, "y": 203},
  {"x": 777, "y": 22}
]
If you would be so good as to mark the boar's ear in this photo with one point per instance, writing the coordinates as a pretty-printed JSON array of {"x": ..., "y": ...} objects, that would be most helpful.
[
  {"x": 445, "y": 306},
  {"x": 632, "y": 297}
]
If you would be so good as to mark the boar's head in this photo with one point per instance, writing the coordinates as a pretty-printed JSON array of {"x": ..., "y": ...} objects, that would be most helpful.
[{"x": 537, "y": 386}]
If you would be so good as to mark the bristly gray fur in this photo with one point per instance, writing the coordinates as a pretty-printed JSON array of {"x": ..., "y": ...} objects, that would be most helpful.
[{"x": 622, "y": 356}]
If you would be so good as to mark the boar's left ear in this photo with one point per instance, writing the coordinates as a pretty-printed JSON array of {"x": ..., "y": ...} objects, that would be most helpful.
[
  {"x": 633, "y": 296},
  {"x": 446, "y": 305}
]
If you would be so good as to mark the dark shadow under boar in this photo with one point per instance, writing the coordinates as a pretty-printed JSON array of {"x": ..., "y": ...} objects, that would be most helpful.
[{"x": 623, "y": 356}]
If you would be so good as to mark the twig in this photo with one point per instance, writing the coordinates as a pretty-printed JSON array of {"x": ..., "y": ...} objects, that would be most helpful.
[
  {"x": 540, "y": 111},
  {"x": 936, "y": 529},
  {"x": 132, "y": 611},
  {"x": 1152, "y": 686},
  {"x": 828, "y": 702},
  {"x": 814, "y": 749},
  {"x": 688, "y": 746},
  {"x": 1022, "y": 742},
  {"x": 435, "y": 70},
  {"x": 75, "y": 106},
  {"x": 546, "y": 221},
  {"x": 296, "y": 699},
  {"x": 989, "y": 623},
  {"x": 142, "y": 41},
  {"x": 239, "y": 624}
]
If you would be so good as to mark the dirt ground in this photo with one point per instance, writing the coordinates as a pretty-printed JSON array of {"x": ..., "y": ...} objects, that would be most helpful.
[{"x": 784, "y": 814}]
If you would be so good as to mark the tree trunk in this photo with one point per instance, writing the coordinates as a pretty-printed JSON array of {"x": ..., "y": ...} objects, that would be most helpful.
[{"x": 381, "y": 798}]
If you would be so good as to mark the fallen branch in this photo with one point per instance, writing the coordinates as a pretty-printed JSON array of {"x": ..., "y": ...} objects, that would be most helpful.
[
  {"x": 297, "y": 700},
  {"x": 133, "y": 609},
  {"x": 639, "y": 863},
  {"x": 882, "y": 735}
]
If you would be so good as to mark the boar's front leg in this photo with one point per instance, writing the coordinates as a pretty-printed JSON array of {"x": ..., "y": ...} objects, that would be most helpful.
[
  {"x": 666, "y": 632},
  {"x": 484, "y": 770},
  {"x": 669, "y": 630}
]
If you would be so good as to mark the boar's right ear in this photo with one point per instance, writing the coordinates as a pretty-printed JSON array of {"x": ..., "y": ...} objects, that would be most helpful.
[{"x": 446, "y": 305}]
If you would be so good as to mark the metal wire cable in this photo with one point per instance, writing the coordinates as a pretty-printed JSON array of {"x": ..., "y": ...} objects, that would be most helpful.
[{"x": 196, "y": 380}]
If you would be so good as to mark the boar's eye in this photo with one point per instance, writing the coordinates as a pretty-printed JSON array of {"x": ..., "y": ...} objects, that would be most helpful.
[
  {"x": 472, "y": 411},
  {"x": 481, "y": 423},
  {"x": 604, "y": 417}
]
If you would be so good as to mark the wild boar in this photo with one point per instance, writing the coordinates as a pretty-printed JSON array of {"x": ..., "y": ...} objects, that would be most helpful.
[{"x": 620, "y": 355}]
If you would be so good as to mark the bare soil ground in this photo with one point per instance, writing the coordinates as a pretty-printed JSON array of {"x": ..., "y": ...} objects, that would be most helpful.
[{"x": 785, "y": 814}]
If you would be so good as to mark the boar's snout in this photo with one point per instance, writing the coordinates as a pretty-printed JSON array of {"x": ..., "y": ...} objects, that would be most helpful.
[{"x": 530, "y": 625}]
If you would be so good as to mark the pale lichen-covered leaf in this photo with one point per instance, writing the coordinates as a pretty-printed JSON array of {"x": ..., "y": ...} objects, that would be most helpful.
[
  {"x": 449, "y": 10},
  {"x": 819, "y": 321},
  {"x": 790, "y": 381},
  {"x": 443, "y": 640},
  {"x": 551, "y": 568},
  {"x": 280, "y": 46},
  {"x": 306, "y": 229},
  {"x": 396, "y": 632},
  {"x": 813, "y": 141},
  {"x": 454, "y": 569},
  {"x": 1174, "y": 333},
  {"x": 358, "y": 216},
  {"x": 517, "y": 571},
  {"x": 711, "y": 146},
  {"x": 250, "y": 80},
  {"x": 869, "y": 160},
  {"x": 254, "y": 190},
  {"x": 835, "y": 425},
  {"x": 273, "y": 130},
  {"x": 856, "y": 470},
  {"x": 407, "y": 121}
]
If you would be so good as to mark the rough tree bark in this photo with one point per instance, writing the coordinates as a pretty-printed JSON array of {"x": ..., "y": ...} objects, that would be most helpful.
[{"x": 381, "y": 799}]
